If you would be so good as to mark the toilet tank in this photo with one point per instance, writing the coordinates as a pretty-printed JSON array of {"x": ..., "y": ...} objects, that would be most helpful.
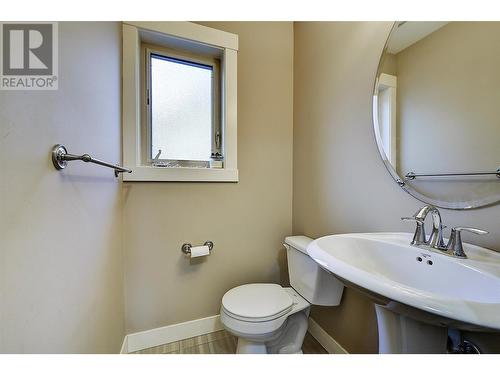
[{"x": 312, "y": 282}]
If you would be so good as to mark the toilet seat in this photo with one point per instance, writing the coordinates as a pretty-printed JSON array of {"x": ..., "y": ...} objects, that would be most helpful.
[
  {"x": 254, "y": 323},
  {"x": 257, "y": 302}
]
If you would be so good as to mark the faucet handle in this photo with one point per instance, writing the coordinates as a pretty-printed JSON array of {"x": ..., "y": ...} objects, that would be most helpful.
[
  {"x": 471, "y": 230},
  {"x": 455, "y": 242},
  {"x": 413, "y": 218},
  {"x": 419, "y": 236}
]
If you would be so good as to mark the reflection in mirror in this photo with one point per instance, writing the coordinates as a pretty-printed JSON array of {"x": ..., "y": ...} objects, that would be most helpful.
[{"x": 437, "y": 111}]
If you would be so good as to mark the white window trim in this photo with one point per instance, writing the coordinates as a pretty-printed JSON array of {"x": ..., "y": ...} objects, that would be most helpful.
[{"x": 131, "y": 101}]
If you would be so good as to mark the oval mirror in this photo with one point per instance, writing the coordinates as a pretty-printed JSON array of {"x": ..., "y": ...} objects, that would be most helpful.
[{"x": 436, "y": 111}]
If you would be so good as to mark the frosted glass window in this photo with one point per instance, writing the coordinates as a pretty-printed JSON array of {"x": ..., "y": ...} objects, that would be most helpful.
[{"x": 181, "y": 109}]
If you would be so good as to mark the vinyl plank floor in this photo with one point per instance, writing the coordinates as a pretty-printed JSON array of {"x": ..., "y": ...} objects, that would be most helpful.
[
  {"x": 312, "y": 346},
  {"x": 220, "y": 342}
]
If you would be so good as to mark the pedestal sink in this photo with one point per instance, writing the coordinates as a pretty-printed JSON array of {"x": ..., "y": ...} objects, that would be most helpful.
[{"x": 418, "y": 293}]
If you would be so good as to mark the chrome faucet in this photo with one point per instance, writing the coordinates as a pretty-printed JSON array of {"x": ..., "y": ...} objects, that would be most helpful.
[
  {"x": 435, "y": 240},
  {"x": 454, "y": 247}
]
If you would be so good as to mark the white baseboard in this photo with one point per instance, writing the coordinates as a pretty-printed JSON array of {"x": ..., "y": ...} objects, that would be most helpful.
[
  {"x": 164, "y": 335},
  {"x": 326, "y": 341},
  {"x": 124, "y": 349}
]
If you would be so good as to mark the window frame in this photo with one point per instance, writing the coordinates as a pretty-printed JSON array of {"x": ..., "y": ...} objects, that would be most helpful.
[
  {"x": 185, "y": 37},
  {"x": 216, "y": 126}
]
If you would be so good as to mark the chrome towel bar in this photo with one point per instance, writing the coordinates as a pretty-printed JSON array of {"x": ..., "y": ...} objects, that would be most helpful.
[
  {"x": 60, "y": 158},
  {"x": 413, "y": 175}
]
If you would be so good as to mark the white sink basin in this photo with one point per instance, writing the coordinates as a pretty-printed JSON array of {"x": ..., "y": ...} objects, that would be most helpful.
[{"x": 464, "y": 291}]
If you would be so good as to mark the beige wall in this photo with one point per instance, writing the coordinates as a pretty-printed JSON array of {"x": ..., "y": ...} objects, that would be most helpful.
[
  {"x": 339, "y": 181},
  {"x": 60, "y": 232},
  {"x": 448, "y": 96},
  {"x": 246, "y": 220},
  {"x": 389, "y": 65}
]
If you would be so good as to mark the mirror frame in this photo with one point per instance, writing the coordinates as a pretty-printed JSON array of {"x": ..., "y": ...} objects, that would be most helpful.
[{"x": 460, "y": 205}]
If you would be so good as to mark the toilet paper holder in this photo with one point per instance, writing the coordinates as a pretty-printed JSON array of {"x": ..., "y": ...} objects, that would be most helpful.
[{"x": 186, "y": 248}]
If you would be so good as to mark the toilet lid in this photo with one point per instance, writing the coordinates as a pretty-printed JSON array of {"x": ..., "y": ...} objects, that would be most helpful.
[{"x": 257, "y": 301}]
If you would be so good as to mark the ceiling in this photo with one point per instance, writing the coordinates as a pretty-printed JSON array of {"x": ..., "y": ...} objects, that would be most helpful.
[{"x": 410, "y": 32}]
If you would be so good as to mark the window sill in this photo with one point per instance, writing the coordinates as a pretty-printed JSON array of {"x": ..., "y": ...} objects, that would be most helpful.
[{"x": 146, "y": 173}]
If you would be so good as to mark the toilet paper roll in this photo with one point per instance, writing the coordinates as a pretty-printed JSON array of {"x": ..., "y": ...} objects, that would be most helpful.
[{"x": 199, "y": 251}]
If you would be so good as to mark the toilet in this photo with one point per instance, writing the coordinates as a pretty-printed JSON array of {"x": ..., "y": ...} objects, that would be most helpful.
[{"x": 271, "y": 319}]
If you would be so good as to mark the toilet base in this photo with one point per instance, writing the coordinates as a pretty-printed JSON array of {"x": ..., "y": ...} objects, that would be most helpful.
[
  {"x": 289, "y": 340},
  {"x": 250, "y": 347}
]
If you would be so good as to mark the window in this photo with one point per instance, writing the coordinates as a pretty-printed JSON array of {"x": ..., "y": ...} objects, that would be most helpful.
[
  {"x": 179, "y": 102},
  {"x": 385, "y": 110},
  {"x": 182, "y": 105}
]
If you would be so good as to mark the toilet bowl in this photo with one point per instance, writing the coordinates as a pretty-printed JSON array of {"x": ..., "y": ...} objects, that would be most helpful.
[
  {"x": 259, "y": 313},
  {"x": 271, "y": 319}
]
